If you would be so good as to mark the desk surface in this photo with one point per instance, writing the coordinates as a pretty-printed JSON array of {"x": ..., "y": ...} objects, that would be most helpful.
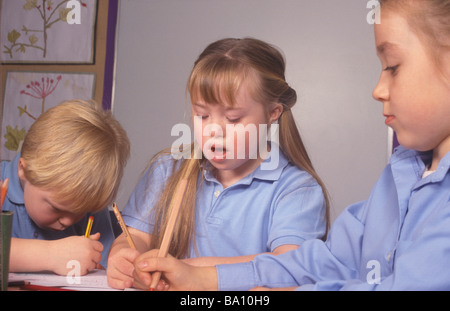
[{"x": 93, "y": 281}]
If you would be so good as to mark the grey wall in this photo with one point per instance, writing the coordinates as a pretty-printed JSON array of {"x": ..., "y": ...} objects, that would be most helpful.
[{"x": 331, "y": 62}]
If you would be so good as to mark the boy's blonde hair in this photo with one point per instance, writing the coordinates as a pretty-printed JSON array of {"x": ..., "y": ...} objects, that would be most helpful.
[
  {"x": 216, "y": 77},
  {"x": 77, "y": 151}
]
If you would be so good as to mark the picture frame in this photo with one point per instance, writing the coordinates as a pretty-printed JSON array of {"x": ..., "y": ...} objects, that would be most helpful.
[
  {"x": 29, "y": 93},
  {"x": 43, "y": 31},
  {"x": 100, "y": 70}
]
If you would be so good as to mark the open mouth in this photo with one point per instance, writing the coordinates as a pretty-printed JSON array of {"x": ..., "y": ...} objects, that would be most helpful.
[
  {"x": 218, "y": 152},
  {"x": 218, "y": 148}
]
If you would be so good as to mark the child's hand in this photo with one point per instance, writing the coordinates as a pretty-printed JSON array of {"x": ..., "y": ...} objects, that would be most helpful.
[
  {"x": 142, "y": 278},
  {"x": 87, "y": 251},
  {"x": 178, "y": 275},
  {"x": 121, "y": 267}
]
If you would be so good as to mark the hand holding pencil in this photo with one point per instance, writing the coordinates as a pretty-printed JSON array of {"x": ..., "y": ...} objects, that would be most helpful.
[
  {"x": 178, "y": 275},
  {"x": 86, "y": 251},
  {"x": 164, "y": 248},
  {"x": 121, "y": 257},
  {"x": 174, "y": 210}
]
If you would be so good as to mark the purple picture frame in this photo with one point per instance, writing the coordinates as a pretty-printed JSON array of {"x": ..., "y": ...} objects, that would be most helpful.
[{"x": 108, "y": 81}]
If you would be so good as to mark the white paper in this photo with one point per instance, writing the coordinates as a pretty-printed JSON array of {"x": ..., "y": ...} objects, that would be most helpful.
[{"x": 94, "y": 281}]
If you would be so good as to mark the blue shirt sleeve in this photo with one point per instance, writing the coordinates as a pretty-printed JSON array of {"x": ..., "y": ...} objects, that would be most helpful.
[
  {"x": 299, "y": 215},
  {"x": 312, "y": 262},
  {"x": 420, "y": 264},
  {"x": 378, "y": 244},
  {"x": 102, "y": 224},
  {"x": 137, "y": 213}
]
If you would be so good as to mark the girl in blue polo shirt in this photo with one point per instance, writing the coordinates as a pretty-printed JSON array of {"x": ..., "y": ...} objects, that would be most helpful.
[
  {"x": 398, "y": 239},
  {"x": 244, "y": 197}
]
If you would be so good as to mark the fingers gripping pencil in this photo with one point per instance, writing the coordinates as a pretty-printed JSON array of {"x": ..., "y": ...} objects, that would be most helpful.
[
  {"x": 164, "y": 249},
  {"x": 168, "y": 233}
]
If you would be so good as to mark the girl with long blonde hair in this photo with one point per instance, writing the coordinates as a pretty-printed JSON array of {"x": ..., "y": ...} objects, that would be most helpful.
[{"x": 236, "y": 205}]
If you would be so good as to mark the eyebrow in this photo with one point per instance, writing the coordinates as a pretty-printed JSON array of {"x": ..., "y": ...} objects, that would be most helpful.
[
  {"x": 385, "y": 46},
  {"x": 199, "y": 105},
  {"x": 204, "y": 106},
  {"x": 56, "y": 207}
]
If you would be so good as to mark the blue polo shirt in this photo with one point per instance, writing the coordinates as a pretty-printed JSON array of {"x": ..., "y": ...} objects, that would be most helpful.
[
  {"x": 266, "y": 209},
  {"x": 24, "y": 227},
  {"x": 399, "y": 239}
]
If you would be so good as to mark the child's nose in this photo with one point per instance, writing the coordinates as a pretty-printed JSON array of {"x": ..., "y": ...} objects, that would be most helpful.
[
  {"x": 381, "y": 91},
  {"x": 66, "y": 221},
  {"x": 214, "y": 129}
]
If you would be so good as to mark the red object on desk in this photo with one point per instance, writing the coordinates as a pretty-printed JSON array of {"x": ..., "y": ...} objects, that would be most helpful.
[{"x": 45, "y": 288}]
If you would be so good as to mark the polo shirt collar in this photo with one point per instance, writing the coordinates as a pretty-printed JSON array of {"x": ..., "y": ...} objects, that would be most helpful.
[{"x": 419, "y": 160}]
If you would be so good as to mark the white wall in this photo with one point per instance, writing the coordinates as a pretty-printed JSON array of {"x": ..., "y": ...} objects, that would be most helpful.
[{"x": 331, "y": 62}]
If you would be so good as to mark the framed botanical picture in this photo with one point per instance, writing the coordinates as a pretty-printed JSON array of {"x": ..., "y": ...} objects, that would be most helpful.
[
  {"x": 48, "y": 31},
  {"x": 28, "y": 94},
  {"x": 52, "y": 51}
]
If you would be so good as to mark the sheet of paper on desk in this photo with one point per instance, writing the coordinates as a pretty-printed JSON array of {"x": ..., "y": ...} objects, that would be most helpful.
[{"x": 93, "y": 281}]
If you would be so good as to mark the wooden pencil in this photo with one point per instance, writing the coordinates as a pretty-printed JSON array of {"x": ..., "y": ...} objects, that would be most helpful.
[
  {"x": 123, "y": 226},
  {"x": 168, "y": 233}
]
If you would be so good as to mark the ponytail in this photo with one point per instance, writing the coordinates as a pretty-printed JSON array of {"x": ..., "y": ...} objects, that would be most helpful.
[{"x": 292, "y": 145}]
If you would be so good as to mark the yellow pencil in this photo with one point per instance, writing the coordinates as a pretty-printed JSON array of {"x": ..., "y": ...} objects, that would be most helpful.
[
  {"x": 123, "y": 226},
  {"x": 89, "y": 226}
]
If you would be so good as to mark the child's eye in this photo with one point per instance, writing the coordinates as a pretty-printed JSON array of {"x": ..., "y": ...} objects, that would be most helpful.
[
  {"x": 235, "y": 120},
  {"x": 392, "y": 69},
  {"x": 202, "y": 116}
]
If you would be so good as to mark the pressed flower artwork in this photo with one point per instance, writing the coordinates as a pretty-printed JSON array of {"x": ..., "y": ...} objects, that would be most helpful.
[
  {"x": 43, "y": 31},
  {"x": 28, "y": 94}
]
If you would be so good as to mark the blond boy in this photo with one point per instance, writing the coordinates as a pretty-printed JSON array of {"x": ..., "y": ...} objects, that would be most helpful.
[{"x": 69, "y": 168}]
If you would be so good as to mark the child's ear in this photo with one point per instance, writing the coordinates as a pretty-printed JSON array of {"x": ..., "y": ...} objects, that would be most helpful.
[
  {"x": 275, "y": 112},
  {"x": 20, "y": 169}
]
